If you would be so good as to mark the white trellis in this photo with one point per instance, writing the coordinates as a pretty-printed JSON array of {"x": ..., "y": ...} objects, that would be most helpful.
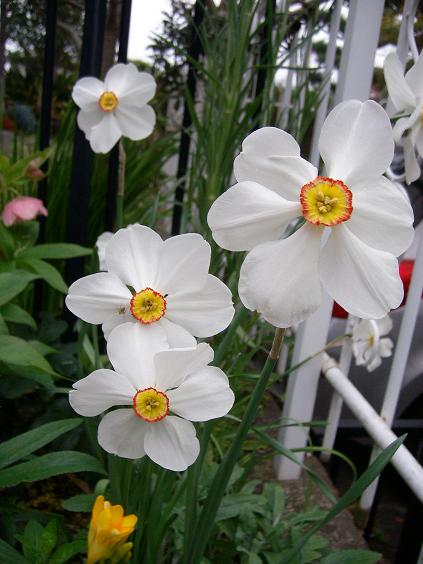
[{"x": 354, "y": 81}]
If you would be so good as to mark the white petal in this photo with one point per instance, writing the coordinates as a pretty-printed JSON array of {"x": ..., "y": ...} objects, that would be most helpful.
[
  {"x": 203, "y": 313},
  {"x": 374, "y": 363},
  {"x": 384, "y": 325},
  {"x": 363, "y": 280},
  {"x": 177, "y": 337},
  {"x": 280, "y": 279},
  {"x": 135, "y": 123},
  {"x": 385, "y": 347},
  {"x": 361, "y": 352},
  {"x": 249, "y": 214},
  {"x": 132, "y": 254},
  {"x": 171, "y": 443},
  {"x": 363, "y": 331},
  {"x": 285, "y": 175},
  {"x": 414, "y": 77},
  {"x": 412, "y": 168},
  {"x": 105, "y": 134},
  {"x": 356, "y": 141},
  {"x": 184, "y": 263},
  {"x": 87, "y": 91},
  {"x": 381, "y": 216},
  {"x": 401, "y": 94},
  {"x": 87, "y": 120},
  {"x": 130, "y": 85},
  {"x": 405, "y": 123},
  {"x": 172, "y": 366},
  {"x": 131, "y": 348},
  {"x": 115, "y": 320},
  {"x": 97, "y": 297},
  {"x": 121, "y": 432},
  {"x": 99, "y": 391},
  {"x": 270, "y": 141},
  {"x": 203, "y": 395}
]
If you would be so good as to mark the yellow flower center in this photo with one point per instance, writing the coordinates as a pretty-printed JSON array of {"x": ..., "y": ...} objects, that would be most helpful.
[
  {"x": 151, "y": 405},
  {"x": 108, "y": 101},
  {"x": 148, "y": 306},
  {"x": 325, "y": 201}
]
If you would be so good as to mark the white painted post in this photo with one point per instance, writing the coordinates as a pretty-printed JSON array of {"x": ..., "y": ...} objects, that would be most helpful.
[
  {"x": 399, "y": 362},
  {"x": 326, "y": 80},
  {"x": 358, "y": 56},
  {"x": 336, "y": 403}
]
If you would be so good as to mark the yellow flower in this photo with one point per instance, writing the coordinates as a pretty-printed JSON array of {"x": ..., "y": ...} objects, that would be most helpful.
[{"x": 108, "y": 531}]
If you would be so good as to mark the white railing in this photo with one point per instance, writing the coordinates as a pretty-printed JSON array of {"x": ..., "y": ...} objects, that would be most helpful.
[{"x": 354, "y": 81}]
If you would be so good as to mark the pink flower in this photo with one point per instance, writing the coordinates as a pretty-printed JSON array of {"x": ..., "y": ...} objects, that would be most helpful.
[{"x": 22, "y": 208}]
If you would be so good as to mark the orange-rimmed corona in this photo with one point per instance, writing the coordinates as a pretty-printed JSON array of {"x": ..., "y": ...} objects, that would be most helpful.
[
  {"x": 108, "y": 101},
  {"x": 151, "y": 405},
  {"x": 148, "y": 306},
  {"x": 326, "y": 201}
]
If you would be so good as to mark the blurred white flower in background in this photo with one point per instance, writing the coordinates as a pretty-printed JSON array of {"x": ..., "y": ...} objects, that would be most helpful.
[
  {"x": 162, "y": 391},
  {"x": 406, "y": 93},
  {"x": 101, "y": 245},
  {"x": 116, "y": 107},
  {"x": 367, "y": 219},
  {"x": 370, "y": 343}
]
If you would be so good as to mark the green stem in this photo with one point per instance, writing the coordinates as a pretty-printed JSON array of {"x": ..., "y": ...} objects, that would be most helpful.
[
  {"x": 193, "y": 474},
  {"x": 121, "y": 187},
  {"x": 208, "y": 514}
]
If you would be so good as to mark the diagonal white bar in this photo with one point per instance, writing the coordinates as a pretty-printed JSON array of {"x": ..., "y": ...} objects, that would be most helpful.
[
  {"x": 399, "y": 362},
  {"x": 403, "y": 460}
]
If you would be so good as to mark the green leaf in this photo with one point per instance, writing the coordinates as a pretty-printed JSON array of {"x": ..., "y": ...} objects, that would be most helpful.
[
  {"x": 237, "y": 504},
  {"x": 56, "y": 251},
  {"x": 351, "y": 557},
  {"x": 18, "y": 352},
  {"x": 45, "y": 271},
  {"x": 67, "y": 551},
  {"x": 355, "y": 490},
  {"x": 3, "y": 326},
  {"x": 9, "y": 555},
  {"x": 22, "y": 445},
  {"x": 13, "y": 283},
  {"x": 52, "y": 464},
  {"x": 15, "y": 314},
  {"x": 80, "y": 502},
  {"x": 7, "y": 243}
]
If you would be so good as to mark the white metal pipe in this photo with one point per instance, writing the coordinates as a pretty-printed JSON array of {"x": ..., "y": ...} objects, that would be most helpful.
[
  {"x": 399, "y": 362},
  {"x": 335, "y": 408},
  {"x": 329, "y": 65},
  {"x": 407, "y": 466}
]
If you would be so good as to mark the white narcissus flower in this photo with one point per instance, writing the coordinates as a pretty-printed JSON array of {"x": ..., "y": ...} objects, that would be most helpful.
[
  {"x": 162, "y": 390},
  {"x": 115, "y": 107},
  {"x": 370, "y": 344},
  {"x": 406, "y": 93},
  {"x": 367, "y": 220},
  {"x": 154, "y": 282}
]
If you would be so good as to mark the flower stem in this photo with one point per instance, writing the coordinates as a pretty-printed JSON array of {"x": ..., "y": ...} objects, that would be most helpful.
[
  {"x": 121, "y": 187},
  {"x": 221, "y": 479},
  {"x": 193, "y": 474}
]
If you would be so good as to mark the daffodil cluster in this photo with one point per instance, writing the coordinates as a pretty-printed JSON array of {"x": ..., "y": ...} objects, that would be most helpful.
[{"x": 152, "y": 300}]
